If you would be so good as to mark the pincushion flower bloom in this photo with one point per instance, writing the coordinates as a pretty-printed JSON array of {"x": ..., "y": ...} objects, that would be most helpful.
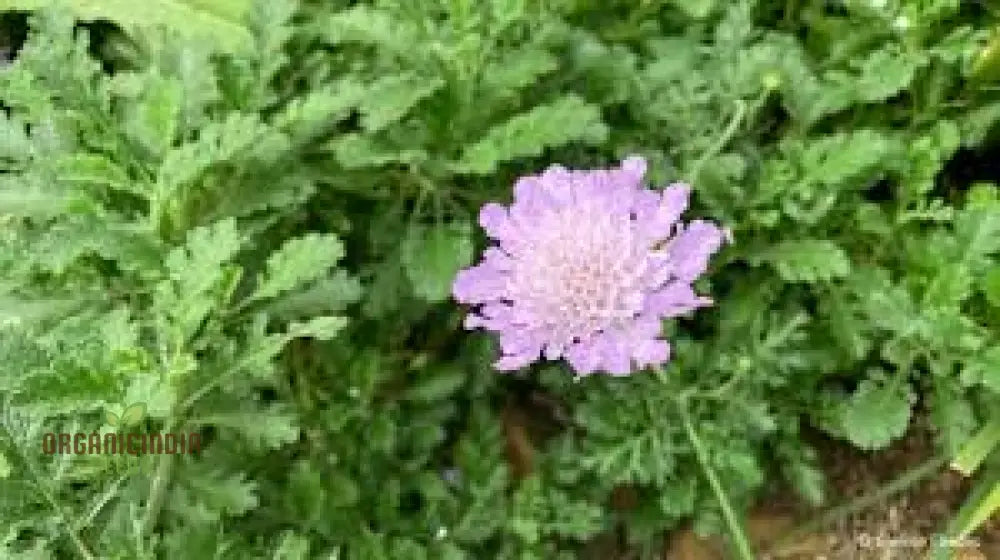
[{"x": 585, "y": 266}]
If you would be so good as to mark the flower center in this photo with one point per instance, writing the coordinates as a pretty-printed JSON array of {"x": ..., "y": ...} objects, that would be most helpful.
[{"x": 582, "y": 273}]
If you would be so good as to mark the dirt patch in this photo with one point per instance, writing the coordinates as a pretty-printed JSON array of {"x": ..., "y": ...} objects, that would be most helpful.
[{"x": 900, "y": 527}]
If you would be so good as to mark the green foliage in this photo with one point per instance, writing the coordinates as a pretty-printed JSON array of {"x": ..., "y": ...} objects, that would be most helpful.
[
  {"x": 247, "y": 218},
  {"x": 220, "y": 23}
]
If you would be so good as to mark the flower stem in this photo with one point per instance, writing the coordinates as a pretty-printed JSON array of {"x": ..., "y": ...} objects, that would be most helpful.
[
  {"x": 720, "y": 143},
  {"x": 732, "y": 522},
  {"x": 157, "y": 489}
]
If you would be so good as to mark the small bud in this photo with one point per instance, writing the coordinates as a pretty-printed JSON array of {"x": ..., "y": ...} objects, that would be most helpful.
[{"x": 771, "y": 81}]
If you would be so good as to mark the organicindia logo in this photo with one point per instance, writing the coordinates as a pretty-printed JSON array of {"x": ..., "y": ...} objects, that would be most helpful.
[{"x": 119, "y": 443}]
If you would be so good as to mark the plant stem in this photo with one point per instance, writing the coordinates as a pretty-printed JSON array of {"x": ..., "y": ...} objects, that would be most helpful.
[
  {"x": 720, "y": 143},
  {"x": 157, "y": 489},
  {"x": 733, "y": 523},
  {"x": 81, "y": 547}
]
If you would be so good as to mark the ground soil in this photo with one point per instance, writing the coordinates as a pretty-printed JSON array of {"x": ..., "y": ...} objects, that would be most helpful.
[{"x": 898, "y": 528}]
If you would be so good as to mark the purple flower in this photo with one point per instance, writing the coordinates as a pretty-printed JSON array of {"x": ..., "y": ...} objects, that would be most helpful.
[{"x": 585, "y": 267}]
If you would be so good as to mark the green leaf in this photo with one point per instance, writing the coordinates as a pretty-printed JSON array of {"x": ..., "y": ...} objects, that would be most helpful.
[
  {"x": 986, "y": 507},
  {"x": 696, "y": 9},
  {"x": 320, "y": 108},
  {"x": 875, "y": 415},
  {"x": 991, "y": 286},
  {"x": 265, "y": 429},
  {"x": 155, "y": 117},
  {"x": 975, "y": 451},
  {"x": 28, "y": 198},
  {"x": 343, "y": 490},
  {"x": 987, "y": 63},
  {"x": 322, "y": 328},
  {"x": 984, "y": 368},
  {"x": 567, "y": 120},
  {"x": 837, "y": 158},
  {"x": 218, "y": 142},
  {"x": 197, "y": 266},
  {"x": 978, "y": 228},
  {"x": 364, "y": 24},
  {"x": 220, "y": 26},
  {"x": 326, "y": 295},
  {"x": 19, "y": 311},
  {"x": 391, "y": 98},
  {"x": 807, "y": 260},
  {"x": 432, "y": 387},
  {"x": 355, "y": 151},
  {"x": 433, "y": 255},
  {"x": 298, "y": 262},
  {"x": 232, "y": 495},
  {"x": 5, "y": 468},
  {"x": 883, "y": 74},
  {"x": 14, "y": 141},
  {"x": 94, "y": 169},
  {"x": 292, "y": 547},
  {"x": 517, "y": 70}
]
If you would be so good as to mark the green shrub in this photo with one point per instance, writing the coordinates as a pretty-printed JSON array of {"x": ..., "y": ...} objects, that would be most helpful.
[{"x": 247, "y": 218}]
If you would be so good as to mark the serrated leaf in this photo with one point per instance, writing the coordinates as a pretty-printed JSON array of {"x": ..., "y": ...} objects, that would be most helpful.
[
  {"x": 266, "y": 429},
  {"x": 355, "y": 151},
  {"x": 14, "y": 141},
  {"x": 28, "y": 198},
  {"x": 836, "y": 158},
  {"x": 365, "y": 24},
  {"x": 197, "y": 266},
  {"x": 216, "y": 143},
  {"x": 807, "y": 260},
  {"x": 320, "y": 108},
  {"x": 18, "y": 311},
  {"x": 233, "y": 495},
  {"x": 875, "y": 415},
  {"x": 952, "y": 414},
  {"x": 985, "y": 368},
  {"x": 391, "y": 98},
  {"x": 195, "y": 19},
  {"x": 322, "y": 328},
  {"x": 567, "y": 120},
  {"x": 437, "y": 386},
  {"x": 326, "y": 295},
  {"x": 882, "y": 75},
  {"x": 158, "y": 396},
  {"x": 978, "y": 228},
  {"x": 297, "y": 263},
  {"x": 433, "y": 255},
  {"x": 93, "y": 169},
  {"x": 518, "y": 69},
  {"x": 154, "y": 118}
]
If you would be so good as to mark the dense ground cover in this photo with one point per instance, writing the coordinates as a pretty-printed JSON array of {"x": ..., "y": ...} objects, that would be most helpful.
[{"x": 246, "y": 220}]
